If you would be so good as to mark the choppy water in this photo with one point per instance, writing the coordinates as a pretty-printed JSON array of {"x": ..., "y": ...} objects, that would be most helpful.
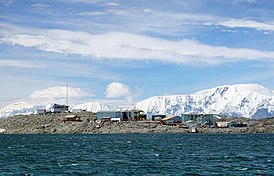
[{"x": 137, "y": 154}]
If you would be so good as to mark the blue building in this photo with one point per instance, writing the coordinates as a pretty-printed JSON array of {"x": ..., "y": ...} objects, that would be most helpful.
[{"x": 201, "y": 119}]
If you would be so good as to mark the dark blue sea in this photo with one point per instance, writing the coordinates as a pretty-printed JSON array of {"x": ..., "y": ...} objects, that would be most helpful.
[{"x": 137, "y": 154}]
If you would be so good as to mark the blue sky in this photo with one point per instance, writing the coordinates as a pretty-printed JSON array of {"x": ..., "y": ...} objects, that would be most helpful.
[{"x": 126, "y": 51}]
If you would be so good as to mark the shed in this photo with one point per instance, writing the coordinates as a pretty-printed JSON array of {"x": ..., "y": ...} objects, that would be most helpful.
[
  {"x": 223, "y": 124},
  {"x": 57, "y": 108},
  {"x": 40, "y": 111},
  {"x": 71, "y": 117}
]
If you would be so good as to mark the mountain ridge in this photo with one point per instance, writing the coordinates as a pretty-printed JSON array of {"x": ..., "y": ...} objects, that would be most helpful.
[
  {"x": 247, "y": 100},
  {"x": 239, "y": 100}
]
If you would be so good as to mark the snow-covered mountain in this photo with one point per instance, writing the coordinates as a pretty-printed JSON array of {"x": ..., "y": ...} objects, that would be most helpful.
[
  {"x": 94, "y": 107},
  {"x": 247, "y": 100},
  {"x": 26, "y": 108},
  {"x": 19, "y": 108}
]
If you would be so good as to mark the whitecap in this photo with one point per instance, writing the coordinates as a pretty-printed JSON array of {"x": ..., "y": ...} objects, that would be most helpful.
[{"x": 74, "y": 164}]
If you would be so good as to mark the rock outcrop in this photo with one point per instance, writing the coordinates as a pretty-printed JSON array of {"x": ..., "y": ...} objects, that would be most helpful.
[{"x": 54, "y": 124}]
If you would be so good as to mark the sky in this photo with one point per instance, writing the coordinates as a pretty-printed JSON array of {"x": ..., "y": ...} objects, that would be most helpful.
[{"x": 121, "y": 52}]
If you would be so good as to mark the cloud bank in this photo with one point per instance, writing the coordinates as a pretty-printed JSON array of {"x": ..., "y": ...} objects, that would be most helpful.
[
  {"x": 127, "y": 46},
  {"x": 59, "y": 92},
  {"x": 244, "y": 23}
]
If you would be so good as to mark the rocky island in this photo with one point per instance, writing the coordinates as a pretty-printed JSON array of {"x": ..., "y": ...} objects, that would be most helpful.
[{"x": 86, "y": 123}]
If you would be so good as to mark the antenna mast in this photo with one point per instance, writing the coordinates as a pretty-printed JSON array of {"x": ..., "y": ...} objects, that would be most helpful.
[{"x": 67, "y": 95}]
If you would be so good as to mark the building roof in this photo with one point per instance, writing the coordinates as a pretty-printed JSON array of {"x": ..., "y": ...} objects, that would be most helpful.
[
  {"x": 196, "y": 114},
  {"x": 70, "y": 116},
  {"x": 169, "y": 117},
  {"x": 223, "y": 122}
]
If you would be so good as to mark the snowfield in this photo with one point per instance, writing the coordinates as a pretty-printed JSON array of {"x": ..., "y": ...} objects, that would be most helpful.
[
  {"x": 246, "y": 100},
  {"x": 240, "y": 100}
]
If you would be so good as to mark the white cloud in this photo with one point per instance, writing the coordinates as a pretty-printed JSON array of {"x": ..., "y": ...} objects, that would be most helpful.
[
  {"x": 108, "y": 12},
  {"x": 117, "y": 90},
  {"x": 18, "y": 64},
  {"x": 130, "y": 47},
  {"x": 244, "y": 23},
  {"x": 57, "y": 95},
  {"x": 180, "y": 21},
  {"x": 104, "y": 3},
  {"x": 94, "y": 13},
  {"x": 112, "y": 4},
  {"x": 59, "y": 92},
  {"x": 85, "y": 1},
  {"x": 40, "y": 6}
]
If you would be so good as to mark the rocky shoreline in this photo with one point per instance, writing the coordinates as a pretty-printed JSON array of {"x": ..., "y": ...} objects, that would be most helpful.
[{"x": 54, "y": 124}]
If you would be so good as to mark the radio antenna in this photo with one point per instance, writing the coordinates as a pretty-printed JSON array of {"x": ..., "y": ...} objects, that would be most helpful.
[{"x": 67, "y": 95}]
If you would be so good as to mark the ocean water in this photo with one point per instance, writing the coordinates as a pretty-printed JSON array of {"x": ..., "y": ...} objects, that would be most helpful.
[{"x": 137, "y": 154}]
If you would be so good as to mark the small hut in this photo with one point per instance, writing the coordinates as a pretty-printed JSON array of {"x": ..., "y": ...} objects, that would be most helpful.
[{"x": 72, "y": 118}]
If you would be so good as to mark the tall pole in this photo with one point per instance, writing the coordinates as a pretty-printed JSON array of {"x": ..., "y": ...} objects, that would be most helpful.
[{"x": 67, "y": 95}]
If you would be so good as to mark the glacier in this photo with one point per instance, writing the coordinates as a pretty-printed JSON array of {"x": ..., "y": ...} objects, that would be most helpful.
[{"x": 240, "y": 100}]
